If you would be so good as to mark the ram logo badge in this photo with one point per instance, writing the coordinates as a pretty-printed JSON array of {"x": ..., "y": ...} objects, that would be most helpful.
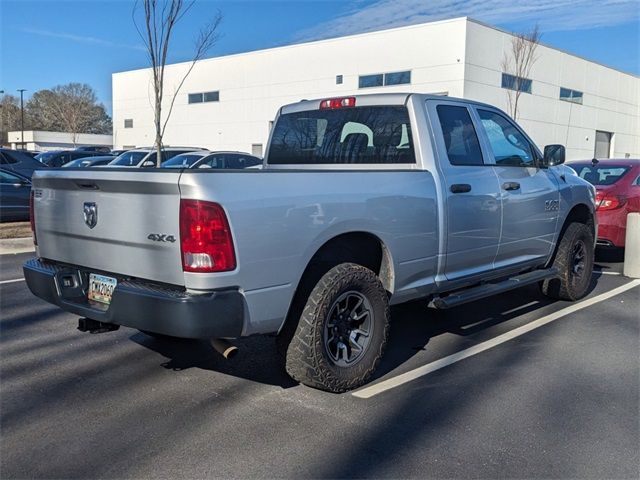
[
  {"x": 161, "y": 237},
  {"x": 90, "y": 211},
  {"x": 551, "y": 205}
]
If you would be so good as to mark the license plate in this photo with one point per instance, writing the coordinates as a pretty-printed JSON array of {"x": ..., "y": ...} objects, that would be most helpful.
[{"x": 101, "y": 288}]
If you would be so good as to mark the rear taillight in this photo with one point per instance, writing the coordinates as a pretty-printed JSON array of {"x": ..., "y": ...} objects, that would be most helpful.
[
  {"x": 333, "y": 103},
  {"x": 32, "y": 218},
  {"x": 609, "y": 202},
  {"x": 205, "y": 238}
]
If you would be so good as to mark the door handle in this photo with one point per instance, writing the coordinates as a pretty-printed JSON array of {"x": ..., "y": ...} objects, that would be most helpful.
[
  {"x": 460, "y": 188},
  {"x": 511, "y": 186}
]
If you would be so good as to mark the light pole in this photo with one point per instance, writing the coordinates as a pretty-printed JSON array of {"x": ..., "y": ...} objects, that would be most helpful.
[{"x": 22, "y": 90}]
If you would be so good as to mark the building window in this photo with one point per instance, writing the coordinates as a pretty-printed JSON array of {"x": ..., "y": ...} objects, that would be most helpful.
[
  {"x": 204, "y": 97},
  {"x": 569, "y": 95},
  {"x": 368, "y": 81},
  {"x": 384, "y": 79},
  {"x": 338, "y": 79},
  {"x": 128, "y": 123},
  {"x": 516, "y": 83},
  {"x": 397, "y": 78},
  {"x": 602, "y": 148}
]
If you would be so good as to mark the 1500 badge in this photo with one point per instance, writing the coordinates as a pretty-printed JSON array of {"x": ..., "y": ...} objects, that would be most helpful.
[
  {"x": 161, "y": 237},
  {"x": 551, "y": 205}
]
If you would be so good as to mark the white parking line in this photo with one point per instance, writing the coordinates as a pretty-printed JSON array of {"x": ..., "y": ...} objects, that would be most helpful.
[
  {"x": 394, "y": 382},
  {"x": 12, "y": 281}
]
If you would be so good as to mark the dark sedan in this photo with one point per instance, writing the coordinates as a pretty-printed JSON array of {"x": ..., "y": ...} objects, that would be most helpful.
[
  {"x": 14, "y": 196},
  {"x": 19, "y": 162},
  {"x": 58, "y": 158}
]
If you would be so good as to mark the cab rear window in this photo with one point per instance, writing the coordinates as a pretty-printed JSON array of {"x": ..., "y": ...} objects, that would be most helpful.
[{"x": 361, "y": 135}]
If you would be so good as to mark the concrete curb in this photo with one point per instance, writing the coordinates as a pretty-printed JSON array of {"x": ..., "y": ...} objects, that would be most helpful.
[{"x": 16, "y": 245}]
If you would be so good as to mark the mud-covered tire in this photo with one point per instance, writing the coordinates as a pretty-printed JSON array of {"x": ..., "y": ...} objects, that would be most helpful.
[
  {"x": 574, "y": 268},
  {"x": 309, "y": 357}
]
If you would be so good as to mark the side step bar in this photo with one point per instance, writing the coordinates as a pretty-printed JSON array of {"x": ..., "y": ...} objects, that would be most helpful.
[{"x": 487, "y": 289}]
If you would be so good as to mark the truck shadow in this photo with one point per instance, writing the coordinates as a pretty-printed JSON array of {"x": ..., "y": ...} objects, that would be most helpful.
[{"x": 413, "y": 327}]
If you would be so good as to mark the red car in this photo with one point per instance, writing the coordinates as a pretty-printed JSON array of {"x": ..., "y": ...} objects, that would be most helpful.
[{"x": 617, "y": 185}]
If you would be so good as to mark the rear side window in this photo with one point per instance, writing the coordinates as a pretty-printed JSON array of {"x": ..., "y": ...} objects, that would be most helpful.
[
  {"x": 460, "y": 138},
  {"x": 361, "y": 135}
]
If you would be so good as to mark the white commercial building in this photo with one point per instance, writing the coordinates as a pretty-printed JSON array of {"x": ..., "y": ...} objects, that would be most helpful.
[
  {"x": 45, "y": 141},
  {"x": 229, "y": 103}
]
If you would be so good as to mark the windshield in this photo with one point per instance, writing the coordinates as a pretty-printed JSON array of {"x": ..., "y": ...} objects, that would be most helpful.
[
  {"x": 347, "y": 135},
  {"x": 129, "y": 159},
  {"x": 184, "y": 160},
  {"x": 44, "y": 157},
  {"x": 600, "y": 174}
]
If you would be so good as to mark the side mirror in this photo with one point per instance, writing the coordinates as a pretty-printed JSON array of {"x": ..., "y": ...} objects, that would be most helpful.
[
  {"x": 148, "y": 164},
  {"x": 553, "y": 155}
]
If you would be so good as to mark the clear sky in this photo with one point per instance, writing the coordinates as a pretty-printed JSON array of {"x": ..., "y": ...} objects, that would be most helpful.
[{"x": 47, "y": 43}]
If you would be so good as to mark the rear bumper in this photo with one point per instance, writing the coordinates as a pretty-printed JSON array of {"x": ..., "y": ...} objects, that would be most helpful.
[
  {"x": 612, "y": 227},
  {"x": 140, "y": 305}
]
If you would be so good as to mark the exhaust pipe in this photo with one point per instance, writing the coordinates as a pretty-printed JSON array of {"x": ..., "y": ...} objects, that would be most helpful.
[{"x": 224, "y": 348}]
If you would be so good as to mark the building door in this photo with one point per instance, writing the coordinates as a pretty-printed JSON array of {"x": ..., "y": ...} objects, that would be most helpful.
[{"x": 603, "y": 144}]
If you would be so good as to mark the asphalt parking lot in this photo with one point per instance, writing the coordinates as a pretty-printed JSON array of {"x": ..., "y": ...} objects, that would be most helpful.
[{"x": 521, "y": 387}]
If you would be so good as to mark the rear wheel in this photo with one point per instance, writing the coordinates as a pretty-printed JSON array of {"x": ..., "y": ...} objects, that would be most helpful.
[
  {"x": 574, "y": 261},
  {"x": 342, "y": 331}
]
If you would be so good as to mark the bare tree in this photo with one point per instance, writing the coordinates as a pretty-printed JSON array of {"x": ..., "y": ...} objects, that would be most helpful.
[
  {"x": 160, "y": 19},
  {"x": 9, "y": 116},
  {"x": 517, "y": 61}
]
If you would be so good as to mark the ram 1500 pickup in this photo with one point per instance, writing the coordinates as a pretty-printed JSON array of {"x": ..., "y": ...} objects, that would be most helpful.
[{"x": 363, "y": 202}]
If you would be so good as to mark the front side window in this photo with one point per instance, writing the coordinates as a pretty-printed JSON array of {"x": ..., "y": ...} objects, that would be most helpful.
[
  {"x": 6, "y": 177},
  {"x": 129, "y": 159},
  {"x": 183, "y": 160},
  {"x": 361, "y": 135},
  {"x": 510, "y": 148}
]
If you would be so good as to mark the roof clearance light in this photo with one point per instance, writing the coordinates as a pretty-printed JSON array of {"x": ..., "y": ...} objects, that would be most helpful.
[{"x": 333, "y": 103}]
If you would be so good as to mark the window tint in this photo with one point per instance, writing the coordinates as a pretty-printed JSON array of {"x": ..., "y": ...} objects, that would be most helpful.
[
  {"x": 6, "y": 159},
  {"x": 509, "y": 146},
  {"x": 397, "y": 78},
  {"x": 182, "y": 161},
  {"x": 366, "y": 81},
  {"x": 516, "y": 83},
  {"x": 211, "y": 96},
  {"x": 362, "y": 135},
  {"x": 569, "y": 95},
  {"x": 9, "y": 178},
  {"x": 460, "y": 138},
  {"x": 129, "y": 159},
  {"x": 600, "y": 175},
  {"x": 239, "y": 162}
]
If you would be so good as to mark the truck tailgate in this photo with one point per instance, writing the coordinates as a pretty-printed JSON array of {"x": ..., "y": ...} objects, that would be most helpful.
[{"x": 136, "y": 216}]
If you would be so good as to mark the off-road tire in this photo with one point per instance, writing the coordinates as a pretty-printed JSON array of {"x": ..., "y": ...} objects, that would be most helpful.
[
  {"x": 306, "y": 358},
  {"x": 567, "y": 285}
]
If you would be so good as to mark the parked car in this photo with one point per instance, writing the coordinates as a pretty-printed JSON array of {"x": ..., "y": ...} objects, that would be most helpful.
[
  {"x": 90, "y": 162},
  {"x": 363, "y": 202},
  {"x": 14, "y": 196},
  {"x": 58, "y": 158},
  {"x": 146, "y": 157},
  {"x": 19, "y": 162},
  {"x": 218, "y": 160},
  {"x": 94, "y": 148},
  {"x": 617, "y": 185}
]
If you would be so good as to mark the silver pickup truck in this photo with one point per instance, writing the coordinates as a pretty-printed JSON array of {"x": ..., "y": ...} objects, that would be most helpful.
[{"x": 363, "y": 202}]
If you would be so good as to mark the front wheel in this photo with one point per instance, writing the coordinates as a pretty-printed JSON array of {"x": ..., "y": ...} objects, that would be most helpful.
[
  {"x": 574, "y": 261},
  {"x": 342, "y": 332}
]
